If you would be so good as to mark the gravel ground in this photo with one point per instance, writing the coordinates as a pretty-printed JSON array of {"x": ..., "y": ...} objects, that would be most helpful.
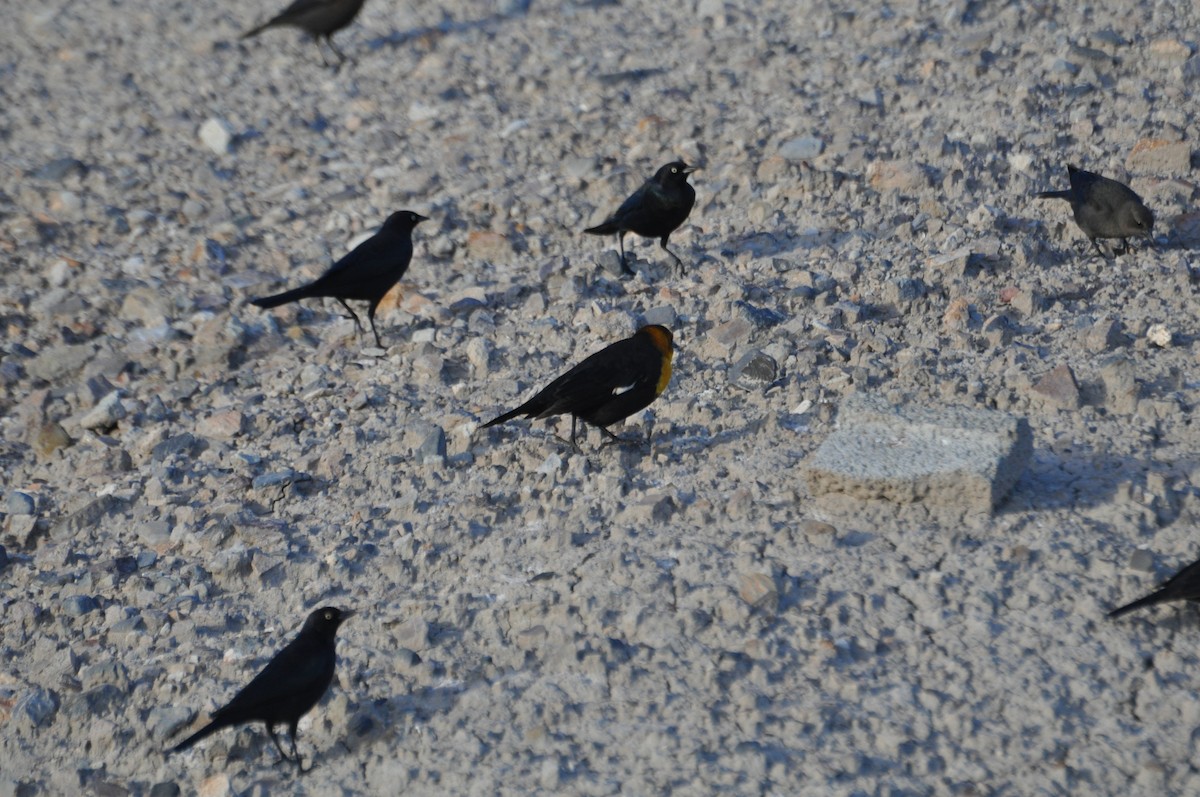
[{"x": 187, "y": 476}]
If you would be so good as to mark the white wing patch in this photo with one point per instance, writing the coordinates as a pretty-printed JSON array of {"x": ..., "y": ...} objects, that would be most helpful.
[{"x": 623, "y": 388}]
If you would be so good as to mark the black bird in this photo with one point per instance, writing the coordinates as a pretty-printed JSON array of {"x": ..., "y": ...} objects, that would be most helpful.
[
  {"x": 1104, "y": 208},
  {"x": 608, "y": 386},
  {"x": 653, "y": 211},
  {"x": 320, "y": 18},
  {"x": 288, "y": 687},
  {"x": 1183, "y": 586},
  {"x": 368, "y": 272}
]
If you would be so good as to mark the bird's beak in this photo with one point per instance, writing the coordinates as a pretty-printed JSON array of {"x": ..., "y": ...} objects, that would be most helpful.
[
  {"x": 347, "y": 614},
  {"x": 421, "y": 218},
  {"x": 690, "y": 169}
]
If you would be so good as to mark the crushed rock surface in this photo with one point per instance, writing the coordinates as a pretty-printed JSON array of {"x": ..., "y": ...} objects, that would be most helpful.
[{"x": 186, "y": 476}]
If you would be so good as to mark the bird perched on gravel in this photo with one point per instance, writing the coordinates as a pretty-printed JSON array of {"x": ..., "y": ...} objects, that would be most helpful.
[
  {"x": 653, "y": 211},
  {"x": 288, "y": 687},
  {"x": 608, "y": 386},
  {"x": 367, "y": 273},
  {"x": 1183, "y": 586},
  {"x": 320, "y": 18},
  {"x": 1104, "y": 208}
]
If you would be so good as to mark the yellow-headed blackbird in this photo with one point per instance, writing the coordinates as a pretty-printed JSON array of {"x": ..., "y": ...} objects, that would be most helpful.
[
  {"x": 653, "y": 211},
  {"x": 319, "y": 18},
  {"x": 288, "y": 687},
  {"x": 368, "y": 272},
  {"x": 1183, "y": 586},
  {"x": 608, "y": 386},
  {"x": 1104, "y": 208}
]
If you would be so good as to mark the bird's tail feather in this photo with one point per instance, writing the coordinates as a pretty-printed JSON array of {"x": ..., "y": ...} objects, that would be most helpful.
[
  {"x": 1053, "y": 195},
  {"x": 267, "y": 302},
  {"x": 255, "y": 31},
  {"x": 607, "y": 228},
  {"x": 203, "y": 733},
  {"x": 508, "y": 416},
  {"x": 1149, "y": 600}
]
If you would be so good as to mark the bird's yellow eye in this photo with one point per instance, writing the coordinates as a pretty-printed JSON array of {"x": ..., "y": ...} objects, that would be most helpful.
[
  {"x": 674, "y": 170},
  {"x": 328, "y": 615}
]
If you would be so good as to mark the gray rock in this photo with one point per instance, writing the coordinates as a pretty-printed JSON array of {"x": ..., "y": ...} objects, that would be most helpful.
[
  {"x": 1058, "y": 389},
  {"x": 950, "y": 456},
  {"x": 904, "y": 291},
  {"x": 130, "y": 625},
  {"x": 104, "y": 672},
  {"x": 1118, "y": 375},
  {"x": 279, "y": 478},
  {"x": 732, "y": 333},
  {"x": 94, "y": 388},
  {"x": 78, "y": 605},
  {"x": 185, "y": 444},
  {"x": 802, "y": 148},
  {"x": 754, "y": 369},
  {"x": 20, "y": 503},
  {"x": 216, "y": 134},
  {"x": 104, "y": 699},
  {"x": 59, "y": 169},
  {"x": 609, "y": 261},
  {"x": 760, "y": 317},
  {"x": 154, "y": 532},
  {"x": 149, "y": 307},
  {"x": 1104, "y": 335},
  {"x": 1142, "y": 560},
  {"x": 998, "y": 330},
  {"x": 156, "y": 411},
  {"x": 433, "y": 447},
  {"x": 85, "y": 519},
  {"x": 759, "y": 590},
  {"x": 663, "y": 315},
  {"x": 36, "y": 708},
  {"x": 55, "y": 362},
  {"x": 105, "y": 414},
  {"x": 413, "y": 634},
  {"x": 164, "y": 722},
  {"x": 167, "y": 788},
  {"x": 363, "y": 728}
]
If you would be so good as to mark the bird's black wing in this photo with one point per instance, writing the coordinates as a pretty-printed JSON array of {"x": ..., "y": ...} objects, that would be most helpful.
[
  {"x": 609, "y": 372},
  {"x": 303, "y": 666}
]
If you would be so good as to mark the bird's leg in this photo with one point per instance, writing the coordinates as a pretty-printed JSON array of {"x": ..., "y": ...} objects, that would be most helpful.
[
  {"x": 341, "y": 56},
  {"x": 570, "y": 442},
  {"x": 275, "y": 739},
  {"x": 1099, "y": 250},
  {"x": 1125, "y": 248},
  {"x": 678, "y": 262},
  {"x": 295, "y": 752},
  {"x": 621, "y": 243},
  {"x": 371, "y": 318},
  {"x": 321, "y": 50},
  {"x": 353, "y": 315}
]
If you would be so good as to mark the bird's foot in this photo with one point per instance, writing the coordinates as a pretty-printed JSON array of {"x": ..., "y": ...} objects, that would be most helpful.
[
  {"x": 616, "y": 440},
  {"x": 574, "y": 446}
]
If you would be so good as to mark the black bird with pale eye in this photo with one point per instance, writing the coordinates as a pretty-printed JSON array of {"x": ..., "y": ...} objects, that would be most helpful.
[
  {"x": 367, "y": 273},
  {"x": 1183, "y": 586},
  {"x": 288, "y": 687},
  {"x": 653, "y": 211},
  {"x": 1104, "y": 208},
  {"x": 608, "y": 386},
  {"x": 319, "y": 18}
]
